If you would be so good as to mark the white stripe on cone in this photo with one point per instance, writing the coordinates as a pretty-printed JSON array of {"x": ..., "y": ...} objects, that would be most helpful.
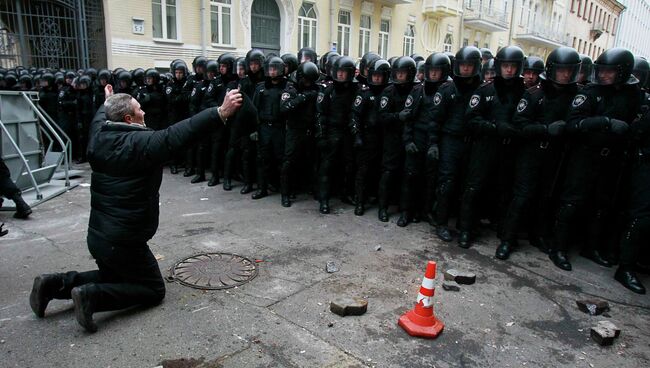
[
  {"x": 427, "y": 283},
  {"x": 427, "y": 301}
]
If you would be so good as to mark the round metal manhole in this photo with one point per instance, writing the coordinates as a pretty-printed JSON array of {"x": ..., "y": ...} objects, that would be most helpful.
[{"x": 213, "y": 271}]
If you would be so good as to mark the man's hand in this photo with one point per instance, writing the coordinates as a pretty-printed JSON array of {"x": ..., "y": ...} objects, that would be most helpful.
[
  {"x": 231, "y": 103},
  {"x": 618, "y": 126},
  {"x": 411, "y": 148},
  {"x": 108, "y": 91},
  {"x": 254, "y": 136},
  {"x": 556, "y": 128},
  {"x": 433, "y": 153}
]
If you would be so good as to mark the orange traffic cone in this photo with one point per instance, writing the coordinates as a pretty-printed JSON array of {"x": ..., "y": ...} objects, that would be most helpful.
[{"x": 421, "y": 321}]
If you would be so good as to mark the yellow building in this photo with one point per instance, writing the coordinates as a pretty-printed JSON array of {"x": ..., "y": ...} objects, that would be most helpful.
[{"x": 593, "y": 25}]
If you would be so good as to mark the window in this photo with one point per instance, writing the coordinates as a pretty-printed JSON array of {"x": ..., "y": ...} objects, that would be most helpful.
[
  {"x": 573, "y": 5},
  {"x": 447, "y": 44},
  {"x": 465, "y": 42},
  {"x": 614, "y": 26},
  {"x": 164, "y": 19},
  {"x": 343, "y": 38},
  {"x": 384, "y": 30},
  {"x": 364, "y": 34},
  {"x": 307, "y": 25},
  {"x": 409, "y": 40},
  {"x": 220, "y": 11},
  {"x": 579, "y": 8},
  {"x": 521, "y": 16}
]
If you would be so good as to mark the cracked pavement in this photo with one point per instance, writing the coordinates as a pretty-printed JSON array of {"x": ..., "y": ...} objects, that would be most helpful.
[{"x": 521, "y": 312}]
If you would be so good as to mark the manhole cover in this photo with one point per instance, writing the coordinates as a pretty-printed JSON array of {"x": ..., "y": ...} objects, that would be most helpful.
[{"x": 213, "y": 271}]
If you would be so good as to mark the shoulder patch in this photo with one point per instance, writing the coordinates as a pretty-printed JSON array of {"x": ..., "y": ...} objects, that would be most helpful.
[
  {"x": 168, "y": 90},
  {"x": 61, "y": 94},
  {"x": 474, "y": 100},
  {"x": 321, "y": 95},
  {"x": 285, "y": 96},
  {"x": 383, "y": 102},
  {"x": 522, "y": 105},
  {"x": 578, "y": 100},
  {"x": 210, "y": 87},
  {"x": 437, "y": 98},
  {"x": 357, "y": 101},
  {"x": 409, "y": 101},
  {"x": 193, "y": 91}
]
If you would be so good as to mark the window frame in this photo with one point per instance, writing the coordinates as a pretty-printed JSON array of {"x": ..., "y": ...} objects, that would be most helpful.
[
  {"x": 343, "y": 33},
  {"x": 220, "y": 6},
  {"x": 310, "y": 23},
  {"x": 384, "y": 37},
  {"x": 163, "y": 23},
  {"x": 409, "y": 39},
  {"x": 364, "y": 35}
]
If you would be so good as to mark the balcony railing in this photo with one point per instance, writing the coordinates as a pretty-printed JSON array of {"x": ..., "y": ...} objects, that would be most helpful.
[
  {"x": 442, "y": 8},
  {"x": 543, "y": 34},
  {"x": 483, "y": 15}
]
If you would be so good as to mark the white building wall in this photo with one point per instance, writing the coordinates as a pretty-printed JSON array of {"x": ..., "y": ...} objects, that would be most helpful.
[{"x": 634, "y": 27}]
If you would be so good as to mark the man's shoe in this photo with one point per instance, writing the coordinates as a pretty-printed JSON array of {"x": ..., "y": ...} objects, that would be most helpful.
[
  {"x": 539, "y": 243},
  {"x": 383, "y": 214},
  {"x": 247, "y": 188},
  {"x": 595, "y": 256},
  {"x": 22, "y": 208},
  {"x": 259, "y": 194},
  {"x": 359, "y": 209},
  {"x": 286, "y": 202},
  {"x": 188, "y": 172},
  {"x": 403, "y": 219},
  {"x": 214, "y": 180},
  {"x": 503, "y": 250},
  {"x": 42, "y": 291},
  {"x": 227, "y": 185},
  {"x": 324, "y": 207},
  {"x": 464, "y": 240},
  {"x": 83, "y": 307},
  {"x": 416, "y": 218},
  {"x": 173, "y": 169},
  {"x": 560, "y": 259},
  {"x": 443, "y": 233},
  {"x": 627, "y": 277},
  {"x": 198, "y": 178}
]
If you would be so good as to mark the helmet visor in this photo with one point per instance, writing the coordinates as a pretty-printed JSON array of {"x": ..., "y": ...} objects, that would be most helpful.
[
  {"x": 467, "y": 68},
  {"x": 563, "y": 73}
]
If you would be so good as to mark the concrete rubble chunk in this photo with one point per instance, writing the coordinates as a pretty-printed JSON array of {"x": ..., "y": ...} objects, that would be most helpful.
[
  {"x": 461, "y": 277},
  {"x": 349, "y": 306},
  {"x": 593, "y": 306},
  {"x": 604, "y": 333},
  {"x": 331, "y": 267},
  {"x": 450, "y": 287}
]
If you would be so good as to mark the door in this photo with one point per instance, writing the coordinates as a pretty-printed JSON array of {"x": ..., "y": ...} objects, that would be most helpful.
[{"x": 265, "y": 26}]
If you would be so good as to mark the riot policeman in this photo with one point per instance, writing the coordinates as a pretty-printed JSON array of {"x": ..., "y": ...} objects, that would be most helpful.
[
  {"x": 586, "y": 69},
  {"x": 153, "y": 100},
  {"x": 194, "y": 88},
  {"x": 364, "y": 64},
  {"x": 533, "y": 67},
  {"x": 307, "y": 54},
  {"x": 177, "y": 101},
  {"x": 199, "y": 102}
]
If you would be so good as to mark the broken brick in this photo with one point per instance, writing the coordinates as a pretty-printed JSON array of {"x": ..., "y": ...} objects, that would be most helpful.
[
  {"x": 604, "y": 333},
  {"x": 593, "y": 306},
  {"x": 450, "y": 287},
  {"x": 349, "y": 306},
  {"x": 461, "y": 277}
]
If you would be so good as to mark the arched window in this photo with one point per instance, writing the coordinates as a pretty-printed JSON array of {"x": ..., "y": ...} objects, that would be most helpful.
[{"x": 307, "y": 26}]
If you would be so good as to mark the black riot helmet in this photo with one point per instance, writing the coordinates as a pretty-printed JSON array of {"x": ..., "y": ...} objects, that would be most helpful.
[
  {"x": 641, "y": 70},
  {"x": 256, "y": 56},
  {"x": 138, "y": 76},
  {"x": 92, "y": 73},
  {"x": 10, "y": 80},
  {"x": 586, "y": 69},
  {"x": 325, "y": 61},
  {"x": 507, "y": 55},
  {"x": 240, "y": 63},
  {"x": 417, "y": 57},
  {"x": 392, "y": 60},
  {"x": 437, "y": 61},
  {"x": 468, "y": 55},
  {"x": 84, "y": 79},
  {"x": 486, "y": 54},
  {"x": 451, "y": 57},
  {"x": 616, "y": 60},
  {"x": 563, "y": 65},
  {"x": 70, "y": 75},
  {"x": 212, "y": 67},
  {"x": 291, "y": 63},
  {"x": 419, "y": 66},
  {"x": 403, "y": 64},
  {"x": 307, "y": 54},
  {"x": 307, "y": 72},
  {"x": 367, "y": 58},
  {"x": 152, "y": 73},
  {"x": 343, "y": 69},
  {"x": 49, "y": 78},
  {"x": 173, "y": 62},
  {"x": 329, "y": 65},
  {"x": 534, "y": 63},
  {"x": 227, "y": 59},
  {"x": 125, "y": 77},
  {"x": 180, "y": 65},
  {"x": 199, "y": 62},
  {"x": 59, "y": 79},
  {"x": 487, "y": 70},
  {"x": 274, "y": 67},
  {"x": 27, "y": 79},
  {"x": 104, "y": 74},
  {"x": 382, "y": 67}
]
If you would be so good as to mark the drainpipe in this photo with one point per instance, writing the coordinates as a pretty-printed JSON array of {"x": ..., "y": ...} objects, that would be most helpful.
[
  {"x": 512, "y": 21},
  {"x": 332, "y": 18},
  {"x": 204, "y": 51},
  {"x": 461, "y": 27}
]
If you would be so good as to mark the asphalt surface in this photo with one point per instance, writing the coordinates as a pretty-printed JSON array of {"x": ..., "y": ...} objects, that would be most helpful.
[{"x": 521, "y": 312}]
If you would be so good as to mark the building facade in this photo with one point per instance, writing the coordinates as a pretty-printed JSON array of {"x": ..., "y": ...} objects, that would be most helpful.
[
  {"x": 634, "y": 27},
  {"x": 593, "y": 25}
]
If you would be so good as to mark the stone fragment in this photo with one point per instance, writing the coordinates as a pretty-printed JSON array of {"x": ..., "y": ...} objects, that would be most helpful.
[
  {"x": 461, "y": 277},
  {"x": 349, "y": 306},
  {"x": 604, "y": 333},
  {"x": 331, "y": 267},
  {"x": 450, "y": 287},
  {"x": 593, "y": 306}
]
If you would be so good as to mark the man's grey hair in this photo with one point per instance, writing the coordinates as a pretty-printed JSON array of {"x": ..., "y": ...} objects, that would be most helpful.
[{"x": 117, "y": 106}]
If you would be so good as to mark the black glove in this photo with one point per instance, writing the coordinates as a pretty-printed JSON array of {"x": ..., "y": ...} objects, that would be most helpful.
[
  {"x": 486, "y": 128},
  {"x": 593, "y": 124},
  {"x": 310, "y": 94},
  {"x": 403, "y": 115},
  {"x": 358, "y": 142},
  {"x": 354, "y": 129},
  {"x": 506, "y": 130},
  {"x": 411, "y": 148},
  {"x": 433, "y": 153},
  {"x": 618, "y": 126},
  {"x": 556, "y": 128},
  {"x": 534, "y": 130},
  {"x": 254, "y": 136}
]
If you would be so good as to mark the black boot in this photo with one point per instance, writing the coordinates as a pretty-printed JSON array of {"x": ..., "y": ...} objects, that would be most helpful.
[
  {"x": 260, "y": 193},
  {"x": 560, "y": 259},
  {"x": 43, "y": 290},
  {"x": 173, "y": 169},
  {"x": 286, "y": 202},
  {"x": 359, "y": 209},
  {"x": 83, "y": 306},
  {"x": 464, "y": 240},
  {"x": 247, "y": 188},
  {"x": 443, "y": 233},
  {"x": 189, "y": 171},
  {"x": 627, "y": 277},
  {"x": 503, "y": 250},
  {"x": 403, "y": 220},
  {"x": 22, "y": 208},
  {"x": 324, "y": 207},
  {"x": 595, "y": 256},
  {"x": 214, "y": 180},
  {"x": 383, "y": 214},
  {"x": 227, "y": 185},
  {"x": 199, "y": 177}
]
